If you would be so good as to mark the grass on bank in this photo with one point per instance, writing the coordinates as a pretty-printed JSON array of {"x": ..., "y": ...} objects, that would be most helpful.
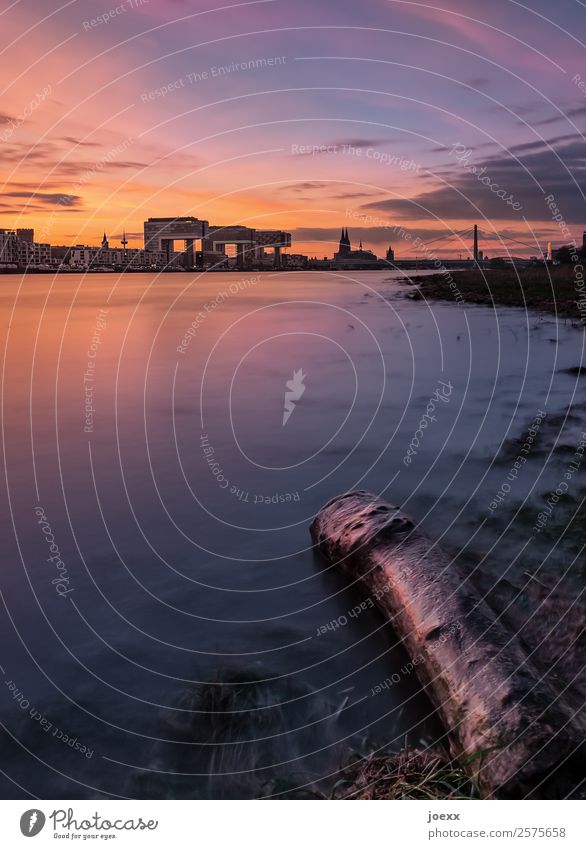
[
  {"x": 409, "y": 774},
  {"x": 553, "y": 289}
]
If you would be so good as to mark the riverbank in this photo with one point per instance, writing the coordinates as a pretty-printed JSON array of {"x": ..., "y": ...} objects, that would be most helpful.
[
  {"x": 554, "y": 289},
  {"x": 408, "y": 774}
]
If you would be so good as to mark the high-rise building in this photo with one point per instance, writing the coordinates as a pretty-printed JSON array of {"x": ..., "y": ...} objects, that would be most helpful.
[
  {"x": 161, "y": 233},
  {"x": 18, "y": 248}
]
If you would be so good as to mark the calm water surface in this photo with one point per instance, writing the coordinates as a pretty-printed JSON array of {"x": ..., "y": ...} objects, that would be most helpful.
[{"x": 144, "y": 440}]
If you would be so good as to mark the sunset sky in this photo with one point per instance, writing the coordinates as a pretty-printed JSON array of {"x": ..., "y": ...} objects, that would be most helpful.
[{"x": 90, "y": 141}]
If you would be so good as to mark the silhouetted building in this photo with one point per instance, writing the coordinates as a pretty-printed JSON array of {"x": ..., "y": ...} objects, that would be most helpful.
[
  {"x": 92, "y": 257},
  {"x": 18, "y": 248},
  {"x": 295, "y": 261},
  {"x": 347, "y": 258},
  {"x": 251, "y": 245},
  {"x": 344, "y": 247},
  {"x": 88, "y": 256},
  {"x": 60, "y": 254},
  {"x": 161, "y": 233},
  {"x": 390, "y": 254}
]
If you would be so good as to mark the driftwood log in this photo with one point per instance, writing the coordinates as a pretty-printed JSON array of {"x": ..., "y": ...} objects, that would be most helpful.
[{"x": 504, "y": 723}]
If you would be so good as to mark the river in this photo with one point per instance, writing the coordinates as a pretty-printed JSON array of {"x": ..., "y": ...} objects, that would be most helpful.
[{"x": 160, "y": 480}]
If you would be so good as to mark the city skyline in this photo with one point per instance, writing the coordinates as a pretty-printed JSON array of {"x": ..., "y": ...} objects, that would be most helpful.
[{"x": 356, "y": 116}]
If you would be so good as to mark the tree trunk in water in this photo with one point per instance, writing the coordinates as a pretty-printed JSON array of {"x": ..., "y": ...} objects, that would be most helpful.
[{"x": 508, "y": 728}]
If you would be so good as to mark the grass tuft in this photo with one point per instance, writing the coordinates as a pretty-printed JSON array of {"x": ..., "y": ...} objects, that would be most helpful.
[{"x": 409, "y": 774}]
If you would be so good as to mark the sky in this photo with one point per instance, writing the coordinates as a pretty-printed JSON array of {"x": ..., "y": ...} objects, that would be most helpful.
[{"x": 400, "y": 120}]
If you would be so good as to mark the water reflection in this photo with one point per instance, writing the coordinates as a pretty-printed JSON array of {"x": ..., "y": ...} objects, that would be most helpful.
[{"x": 144, "y": 415}]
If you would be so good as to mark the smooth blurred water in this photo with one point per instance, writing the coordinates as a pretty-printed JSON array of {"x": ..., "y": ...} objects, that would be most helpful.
[{"x": 180, "y": 572}]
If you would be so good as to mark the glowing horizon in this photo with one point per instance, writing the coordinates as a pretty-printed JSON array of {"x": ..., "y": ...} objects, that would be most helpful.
[{"x": 298, "y": 118}]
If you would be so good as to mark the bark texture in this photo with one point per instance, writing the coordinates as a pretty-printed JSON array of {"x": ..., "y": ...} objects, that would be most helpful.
[{"x": 507, "y": 726}]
